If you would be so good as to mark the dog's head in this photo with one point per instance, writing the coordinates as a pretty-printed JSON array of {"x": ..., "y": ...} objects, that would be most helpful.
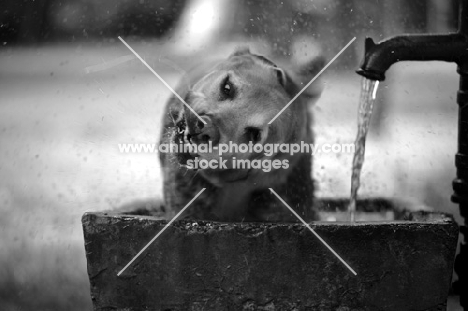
[{"x": 235, "y": 100}]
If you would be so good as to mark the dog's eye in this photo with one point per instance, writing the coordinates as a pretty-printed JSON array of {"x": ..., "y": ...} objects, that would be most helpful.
[
  {"x": 253, "y": 134},
  {"x": 227, "y": 89}
]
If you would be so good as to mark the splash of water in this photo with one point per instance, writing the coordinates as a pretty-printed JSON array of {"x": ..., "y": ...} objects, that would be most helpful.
[{"x": 366, "y": 104}]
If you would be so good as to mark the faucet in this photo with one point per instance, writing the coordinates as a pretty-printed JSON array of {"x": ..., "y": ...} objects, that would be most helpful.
[{"x": 452, "y": 47}]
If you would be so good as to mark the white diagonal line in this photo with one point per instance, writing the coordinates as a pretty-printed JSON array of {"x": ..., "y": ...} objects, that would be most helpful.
[
  {"x": 161, "y": 79},
  {"x": 313, "y": 231},
  {"x": 311, "y": 81},
  {"x": 159, "y": 233}
]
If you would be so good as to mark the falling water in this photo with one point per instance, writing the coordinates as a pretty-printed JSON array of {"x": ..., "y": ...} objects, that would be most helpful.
[{"x": 366, "y": 104}]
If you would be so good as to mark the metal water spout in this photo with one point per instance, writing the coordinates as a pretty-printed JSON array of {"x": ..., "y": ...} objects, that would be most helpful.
[{"x": 452, "y": 47}]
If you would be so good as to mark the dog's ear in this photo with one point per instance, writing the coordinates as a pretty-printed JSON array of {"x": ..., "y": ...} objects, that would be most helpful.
[
  {"x": 298, "y": 76},
  {"x": 282, "y": 76},
  {"x": 295, "y": 77},
  {"x": 304, "y": 73}
]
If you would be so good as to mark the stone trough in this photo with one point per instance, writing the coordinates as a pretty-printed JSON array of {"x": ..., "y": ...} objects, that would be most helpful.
[{"x": 402, "y": 264}]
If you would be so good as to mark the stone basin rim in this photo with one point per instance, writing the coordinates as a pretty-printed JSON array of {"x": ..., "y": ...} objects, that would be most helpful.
[{"x": 427, "y": 218}]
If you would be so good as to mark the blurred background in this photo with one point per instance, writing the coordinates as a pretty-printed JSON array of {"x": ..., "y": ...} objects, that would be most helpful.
[{"x": 70, "y": 91}]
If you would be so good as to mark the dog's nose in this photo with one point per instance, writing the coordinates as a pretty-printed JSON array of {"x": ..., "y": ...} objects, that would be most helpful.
[{"x": 203, "y": 133}]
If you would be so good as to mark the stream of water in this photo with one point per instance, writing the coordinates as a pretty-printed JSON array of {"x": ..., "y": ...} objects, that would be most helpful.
[{"x": 366, "y": 104}]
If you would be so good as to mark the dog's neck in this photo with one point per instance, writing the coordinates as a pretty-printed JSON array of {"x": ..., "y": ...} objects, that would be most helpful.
[{"x": 233, "y": 200}]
